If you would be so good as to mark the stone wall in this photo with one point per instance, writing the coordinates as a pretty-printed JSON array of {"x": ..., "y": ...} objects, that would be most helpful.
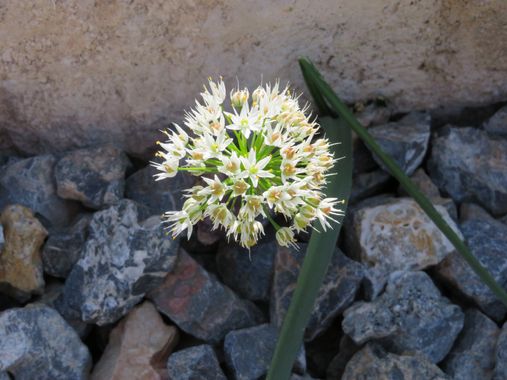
[{"x": 79, "y": 72}]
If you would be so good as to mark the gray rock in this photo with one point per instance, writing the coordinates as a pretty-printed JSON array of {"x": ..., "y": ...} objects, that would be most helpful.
[
  {"x": 338, "y": 290},
  {"x": 337, "y": 365},
  {"x": 198, "y": 362},
  {"x": 470, "y": 166},
  {"x": 50, "y": 298},
  {"x": 158, "y": 196},
  {"x": 248, "y": 352},
  {"x": 411, "y": 316},
  {"x": 471, "y": 211},
  {"x": 428, "y": 188},
  {"x": 405, "y": 140},
  {"x": 472, "y": 356},
  {"x": 36, "y": 343},
  {"x": 121, "y": 261},
  {"x": 367, "y": 184},
  {"x": 497, "y": 124},
  {"x": 397, "y": 235},
  {"x": 30, "y": 183},
  {"x": 93, "y": 176},
  {"x": 372, "y": 114},
  {"x": 487, "y": 240},
  {"x": 63, "y": 247},
  {"x": 199, "y": 304},
  {"x": 500, "y": 372},
  {"x": 248, "y": 273},
  {"x": 373, "y": 363}
]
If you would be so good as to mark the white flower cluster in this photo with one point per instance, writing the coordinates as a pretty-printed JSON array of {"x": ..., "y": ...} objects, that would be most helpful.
[{"x": 262, "y": 157}]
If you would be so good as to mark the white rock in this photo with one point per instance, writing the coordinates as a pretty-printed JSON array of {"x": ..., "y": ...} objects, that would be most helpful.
[{"x": 398, "y": 235}]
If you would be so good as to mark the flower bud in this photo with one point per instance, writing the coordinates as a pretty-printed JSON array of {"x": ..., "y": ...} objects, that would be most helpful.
[
  {"x": 239, "y": 98},
  {"x": 285, "y": 237}
]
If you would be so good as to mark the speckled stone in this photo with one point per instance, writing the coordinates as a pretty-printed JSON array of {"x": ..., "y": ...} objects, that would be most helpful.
[
  {"x": 63, "y": 247},
  {"x": 398, "y": 235},
  {"x": 471, "y": 211},
  {"x": 248, "y": 352},
  {"x": 36, "y": 343},
  {"x": 470, "y": 166},
  {"x": 487, "y": 240},
  {"x": 158, "y": 196},
  {"x": 198, "y": 362},
  {"x": 426, "y": 185},
  {"x": 500, "y": 372},
  {"x": 138, "y": 347},
  {"x": 373, "y": 363},
  {"x": 30, "y": 182},
  {"x": 346, "y": 351},
  {"x": 473, "y": 354},
  {"x": 21, "y": 273},
  {"x": 199, "y": 304},
  {"x": 248, "y": 273},
  {"x": 406, "y": 140},
  {"x": 497, "y": 124},
  {"x": 337, "y": 292},
  {"x": 411, "y": 316},
  {"x": 93, "y": 176},
  {"x": 121, "y": 261},
  {"x": 365, "y": 185}
]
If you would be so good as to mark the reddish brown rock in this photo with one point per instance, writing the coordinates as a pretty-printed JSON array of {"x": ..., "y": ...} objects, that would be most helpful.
[
  {"x": 138, "y": 347},
  {"x": 21, "y": 272},
  {"x": 199, "y": 304}
]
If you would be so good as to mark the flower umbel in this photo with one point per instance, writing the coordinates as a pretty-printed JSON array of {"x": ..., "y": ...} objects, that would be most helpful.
[{"x": 260, "y": 158}]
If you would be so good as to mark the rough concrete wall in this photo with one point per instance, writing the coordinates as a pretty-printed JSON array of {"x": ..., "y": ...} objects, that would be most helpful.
[{"x": 83, "y": 71}]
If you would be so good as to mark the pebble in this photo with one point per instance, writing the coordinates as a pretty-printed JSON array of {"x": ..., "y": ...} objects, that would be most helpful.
[
  {"x": 120, "y": 262},
  {"x": 138, "y": 347},
  {"x": 63, "y": 247},
  {"x": 199, "y": 304},
  {"x": 373, "y": 363},
  {"x": 36, "y": 343},
  {"x": 411, "y": 316},
  {"x": 21, "y": 273},
  {"x": 248, "y": 273},
  {"x": 473, "y": 355},
  {"x": 470, "y": 166},
  {"x": 94, "y": 176},
  {"x": 487, "y": 240},
  {"x": 193, "y": 363},
  {"x": 497, "y": 124},
  {"x": 30, "y": 182},
  {"x": 248, "y": 352},
  {"x": 158, "y": 196},
  {"x": 397, "y": 235},
  {"x": 406, "y": 140}
]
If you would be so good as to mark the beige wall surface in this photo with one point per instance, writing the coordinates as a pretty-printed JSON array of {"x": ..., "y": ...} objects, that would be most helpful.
[{"x": 74, "y": 73}]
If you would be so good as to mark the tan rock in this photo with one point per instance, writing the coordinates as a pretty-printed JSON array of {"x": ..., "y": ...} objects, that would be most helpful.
[
  {"x": 398, "y": 235},
  {"x": 79, "y": 72},
  {"x": 138, "y": 347},
  {"x": 21, "y": 273}
]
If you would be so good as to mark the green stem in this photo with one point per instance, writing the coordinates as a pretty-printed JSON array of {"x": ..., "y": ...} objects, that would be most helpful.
[{"x": 271, "y": 220}]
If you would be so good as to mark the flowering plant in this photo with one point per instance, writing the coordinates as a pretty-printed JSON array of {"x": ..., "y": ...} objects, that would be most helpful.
[{"x": 259, "y": 158}]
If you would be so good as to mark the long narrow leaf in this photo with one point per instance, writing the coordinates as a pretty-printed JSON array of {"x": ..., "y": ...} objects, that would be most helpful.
[
  {"x": 318, "y": 255},
  {"x": 339, "y": 107}
]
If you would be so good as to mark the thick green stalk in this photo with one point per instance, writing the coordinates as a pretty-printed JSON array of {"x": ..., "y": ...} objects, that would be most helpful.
[
  {"x": 318, "y": 255},
  {"x": 339, "y": 107}
]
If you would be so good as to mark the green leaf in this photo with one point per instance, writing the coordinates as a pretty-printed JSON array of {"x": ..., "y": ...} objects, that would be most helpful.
[
  {"x": 318, "y": 255},
  {"x": 318, "y": 83}
]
